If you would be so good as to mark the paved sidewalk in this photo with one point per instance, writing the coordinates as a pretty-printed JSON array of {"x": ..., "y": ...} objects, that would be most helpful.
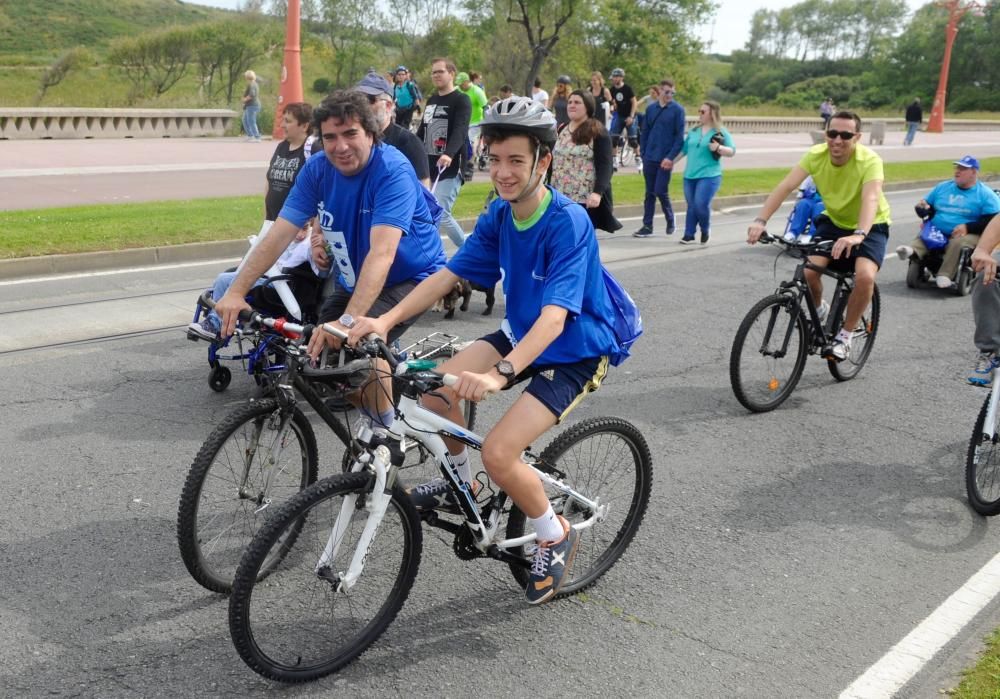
[{"x": 42, "y": 174}]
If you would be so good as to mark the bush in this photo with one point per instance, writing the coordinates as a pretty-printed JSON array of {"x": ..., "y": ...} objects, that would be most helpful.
[
  {"x": 321, "y": 86},
  {"x": 719, "y": 95}
]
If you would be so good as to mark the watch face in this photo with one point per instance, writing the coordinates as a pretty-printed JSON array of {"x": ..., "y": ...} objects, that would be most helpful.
[
  {"x": 505, "y": 368},
  {"x": 347, "y": 320}
]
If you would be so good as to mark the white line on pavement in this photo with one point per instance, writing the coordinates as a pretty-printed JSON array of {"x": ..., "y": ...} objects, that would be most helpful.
[
  {"x": 109, "y": 272},
  {"x": 133, "y": 169},
  {"x": 906, "y": 658}
]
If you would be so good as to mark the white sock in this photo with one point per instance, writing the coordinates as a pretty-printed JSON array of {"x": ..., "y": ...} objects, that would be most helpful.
[
  {"x": 461, "y": 463},
  {"x": 384, "y": 420},
  {"x": 548, "y": 526},
  {"x": 844, "y": 335}
]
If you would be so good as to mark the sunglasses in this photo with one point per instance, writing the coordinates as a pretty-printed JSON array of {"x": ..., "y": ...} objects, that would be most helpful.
[{"x": 844, "y": 135}]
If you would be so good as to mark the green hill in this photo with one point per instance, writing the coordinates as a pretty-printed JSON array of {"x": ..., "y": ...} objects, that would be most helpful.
[{"x": 36, "y": 30}]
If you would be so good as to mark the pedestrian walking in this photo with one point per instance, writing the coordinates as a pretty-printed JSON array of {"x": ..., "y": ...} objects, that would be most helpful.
[
  {"x": 251, "y": 107},
  {"x": 704, "y": 147},
  {"x": 914, "y": 117},
  {"x": 406, "y": 96},
  {"x": 826, "y": 110},
  {"x": 662, "y": 140}
]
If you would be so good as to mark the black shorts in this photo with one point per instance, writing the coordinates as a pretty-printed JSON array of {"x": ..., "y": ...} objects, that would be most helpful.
[
  {"x": 333, "y": 306},
  {"x": 872, "y": 247},
  {"x": 559, "y": 387}
]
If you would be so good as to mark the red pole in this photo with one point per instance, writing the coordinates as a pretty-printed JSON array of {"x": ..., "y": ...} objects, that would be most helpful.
[
  {"x": 936, "y": 122},
  {"x": 291, "y": 71}
]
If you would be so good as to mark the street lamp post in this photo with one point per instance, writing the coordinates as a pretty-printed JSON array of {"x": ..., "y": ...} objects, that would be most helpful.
[
  {"x": 956, "y": 10},
  {"x": 291, "y": 70}
]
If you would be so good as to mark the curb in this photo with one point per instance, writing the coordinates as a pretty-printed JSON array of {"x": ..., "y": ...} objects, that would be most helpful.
[{"x": 47, "y": 265}]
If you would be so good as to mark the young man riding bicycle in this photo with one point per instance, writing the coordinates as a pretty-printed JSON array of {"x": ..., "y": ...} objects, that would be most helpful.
[
  {"x": 849, "y": 176},
  {"x": 557, "y": 333}
]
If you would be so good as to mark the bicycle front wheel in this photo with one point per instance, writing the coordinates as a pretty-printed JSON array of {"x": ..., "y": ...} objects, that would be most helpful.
[
  {"x": 606, "y": 459},
  {"x": 769, "y": 353},
  {"x": 296, "y": 625},
  {"x": 227, "y": 495},
  {"x": 982, "y": 467},
  {"x": 862, "y": 340}
]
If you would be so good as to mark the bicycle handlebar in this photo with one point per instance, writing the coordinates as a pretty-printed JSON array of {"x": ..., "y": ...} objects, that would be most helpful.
[{"x": 801, "y": 248}]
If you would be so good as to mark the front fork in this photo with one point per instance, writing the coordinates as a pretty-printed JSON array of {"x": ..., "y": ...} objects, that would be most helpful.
[{"x": 989, "y": 423}]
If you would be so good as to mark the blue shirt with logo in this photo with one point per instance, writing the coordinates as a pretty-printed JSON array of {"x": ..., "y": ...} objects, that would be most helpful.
[
  {"x": 554, "y": 262},
  {"x": 385, "y": 193},
  {"x": 954, "y": 206}
]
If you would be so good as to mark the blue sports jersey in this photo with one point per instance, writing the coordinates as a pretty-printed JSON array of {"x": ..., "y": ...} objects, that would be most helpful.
[
  {"x": 555, "y": 262},
  {"x": 954, "y": 206},
  {"x": 385, "y": 193}
]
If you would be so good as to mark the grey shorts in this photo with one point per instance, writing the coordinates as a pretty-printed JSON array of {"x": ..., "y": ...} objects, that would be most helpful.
[{"x": 334, "y": 305}]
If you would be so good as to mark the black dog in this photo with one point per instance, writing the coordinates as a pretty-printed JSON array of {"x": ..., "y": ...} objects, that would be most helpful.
[{"x": 463, "y": 289}]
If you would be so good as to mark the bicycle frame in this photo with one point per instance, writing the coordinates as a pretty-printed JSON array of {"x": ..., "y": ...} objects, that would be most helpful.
[
  {"x": 799, "y": 289},
  {"x": 991, "y": 412},
  {"x": 428, "y": 429}
]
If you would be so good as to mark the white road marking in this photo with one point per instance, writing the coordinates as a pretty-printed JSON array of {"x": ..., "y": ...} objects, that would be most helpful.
[
  {"x": 109, "y": 272},
  {"x": 133, "y": 169},
  {"x": 906, "y": 658}
]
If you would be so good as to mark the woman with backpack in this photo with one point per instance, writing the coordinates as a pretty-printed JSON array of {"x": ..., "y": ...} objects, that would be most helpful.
[{"x": 407, "y": 96}]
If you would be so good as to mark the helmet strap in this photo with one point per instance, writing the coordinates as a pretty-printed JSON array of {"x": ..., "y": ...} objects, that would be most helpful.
[{"x": 529, "y": 189}]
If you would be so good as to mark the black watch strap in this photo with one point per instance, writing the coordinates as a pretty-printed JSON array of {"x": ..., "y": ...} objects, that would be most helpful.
[{"x": 506, "y": 370}]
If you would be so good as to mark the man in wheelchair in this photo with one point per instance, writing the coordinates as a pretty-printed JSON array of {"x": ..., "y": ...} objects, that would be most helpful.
[{"x": 954, "y": 215}]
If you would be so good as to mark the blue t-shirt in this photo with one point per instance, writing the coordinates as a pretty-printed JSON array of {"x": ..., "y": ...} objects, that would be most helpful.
[
  {"x": 954, "y": 206},
  {"x": 555, "y": 262},
  {"x": 385, "y": 193}
]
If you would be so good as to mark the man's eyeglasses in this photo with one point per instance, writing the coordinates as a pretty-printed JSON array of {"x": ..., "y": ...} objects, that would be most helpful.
[
  {"x": 372, "y": 99},
  {"x": 844, "y": 135},
  {"x": 438, "y": 72}
]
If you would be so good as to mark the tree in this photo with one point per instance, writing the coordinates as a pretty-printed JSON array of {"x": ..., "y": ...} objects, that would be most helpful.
[
  {"x": 542, "y": 21},
  {"x": 70, "y": 61},
  {"x": 154, "y": 62},
  {"x": 351, "y": 27},
  {"x": 226, "y": 50}
]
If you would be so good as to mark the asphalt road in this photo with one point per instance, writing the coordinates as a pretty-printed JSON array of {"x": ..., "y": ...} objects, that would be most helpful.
[
  {"x": 781, "y": 555},
  {"x": 41, "y": 174}
]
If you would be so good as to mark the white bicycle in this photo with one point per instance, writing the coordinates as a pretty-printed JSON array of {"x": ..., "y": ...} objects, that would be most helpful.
[
  {"x": 358, "y": 539},
  {"x": 982, "y": 463}
]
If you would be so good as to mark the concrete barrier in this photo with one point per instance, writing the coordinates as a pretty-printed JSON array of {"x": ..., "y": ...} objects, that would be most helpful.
[
  {"x": 69, "y": 122},
  {"x": 745, "y": 124}
]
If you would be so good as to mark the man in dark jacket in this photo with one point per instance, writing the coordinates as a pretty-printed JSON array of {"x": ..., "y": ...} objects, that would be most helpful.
[
  {"x": 661, "y": 139},
  {"x": 914, "y": 115}
]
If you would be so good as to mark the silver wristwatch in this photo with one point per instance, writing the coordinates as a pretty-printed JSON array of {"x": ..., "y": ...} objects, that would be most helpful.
[{"x": 347, "y": 320}]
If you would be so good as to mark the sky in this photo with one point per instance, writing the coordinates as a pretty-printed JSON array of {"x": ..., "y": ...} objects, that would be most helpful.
[{"x": 728, "y": 32}]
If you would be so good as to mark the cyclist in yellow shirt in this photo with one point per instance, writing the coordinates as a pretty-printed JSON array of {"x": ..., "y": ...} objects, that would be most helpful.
[{"x": 856, "y": 217}]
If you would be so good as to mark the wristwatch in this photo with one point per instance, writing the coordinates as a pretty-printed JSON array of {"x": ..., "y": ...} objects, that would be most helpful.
[
  {"x": 858, "y": 231},
  {"x": 506, "y": 370},
  {"x": 347, "y": 320}
]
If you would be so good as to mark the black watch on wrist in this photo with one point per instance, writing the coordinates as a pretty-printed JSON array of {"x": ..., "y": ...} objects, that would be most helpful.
[
  {"x": 858, "y": 231},
  {"x": 506, "y": 370}
]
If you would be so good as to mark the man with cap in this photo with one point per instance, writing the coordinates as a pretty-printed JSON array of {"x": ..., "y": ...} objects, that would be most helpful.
[
  {"x": 406, "y": 95},
  {"x": 444, "y": 131},
  {"x": 960, "y": 208},
  {"x": 479, "y": 102},
  {"x": 379, "y": 93}
]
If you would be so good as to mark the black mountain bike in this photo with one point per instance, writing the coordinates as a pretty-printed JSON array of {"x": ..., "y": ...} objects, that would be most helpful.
[{"x": 769, "y": 352}]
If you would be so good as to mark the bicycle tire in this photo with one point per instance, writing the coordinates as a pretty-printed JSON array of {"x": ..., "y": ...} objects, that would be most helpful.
[
  {"x": 212, "y": 559},
  {"x": 754, "y": 376},
  {"x": 977, "y": 458},
  {"x": 626, "y": 155},
  {"x": 849, "y": 368},
  {"x": 602, "y": 544},
  {"x": 284, "y": 627}
]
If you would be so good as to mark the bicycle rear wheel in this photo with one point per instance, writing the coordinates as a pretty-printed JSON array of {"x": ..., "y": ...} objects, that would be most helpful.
[
  {"x": 606, "y": 459},
  {"x": 862, "y": 341},
  {"x": 627, "y": 154},
  {"x": 224, "y": 502},
  {"x": 982, "y": 467},
  {"x": 295, "y": 626},
  {"x": 769, "y": 353}
]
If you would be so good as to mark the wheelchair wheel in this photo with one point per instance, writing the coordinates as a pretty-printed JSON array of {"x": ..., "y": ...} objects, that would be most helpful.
[
  {"x": 914, "y": 273},
  {"x": 965, "y": 276},
  {"x": 219, "y": 379}
]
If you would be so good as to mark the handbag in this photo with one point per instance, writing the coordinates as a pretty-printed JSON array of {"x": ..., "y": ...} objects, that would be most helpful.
[
  {"x": 626, "y": 319},
  {"x": 932, "y": 236}
]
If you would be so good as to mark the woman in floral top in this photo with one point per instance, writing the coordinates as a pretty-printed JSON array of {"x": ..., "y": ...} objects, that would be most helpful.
[{"x": 581, "y": 161}]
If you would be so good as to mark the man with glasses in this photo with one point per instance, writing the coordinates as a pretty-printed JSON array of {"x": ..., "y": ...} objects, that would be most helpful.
[
  {"x": 662, "y": 139},
  {"x": 849, "y": 176},
  {"x": 444, "y": 131},
  {"x": 379, "y": 93}
]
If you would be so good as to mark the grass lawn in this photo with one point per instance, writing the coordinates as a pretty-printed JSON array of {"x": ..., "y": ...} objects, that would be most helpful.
[
  {"x": 983, "y": 680},
  {"x": 120, "y": 226}
]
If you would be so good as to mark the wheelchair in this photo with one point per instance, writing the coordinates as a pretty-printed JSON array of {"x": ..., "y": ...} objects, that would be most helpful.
[
  {"x": 922, "y": 272},
  {"x": 260, "y": 350}
]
